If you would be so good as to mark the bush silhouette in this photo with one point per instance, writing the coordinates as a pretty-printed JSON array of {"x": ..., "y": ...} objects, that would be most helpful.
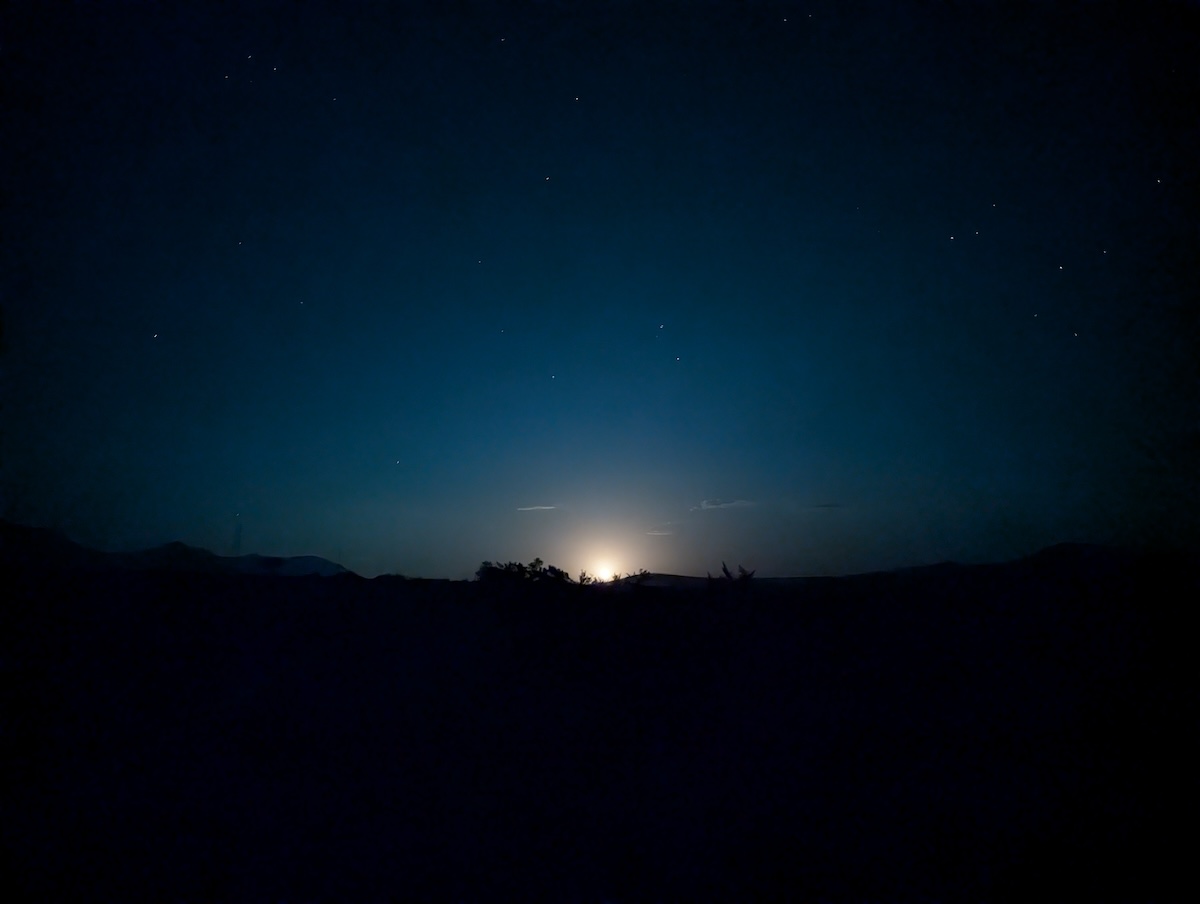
[
  {"x": 537, "y": 572},
  {"x": 742, "y": 580}
]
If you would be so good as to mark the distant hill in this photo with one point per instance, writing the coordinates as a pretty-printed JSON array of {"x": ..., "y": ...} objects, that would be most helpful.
[
  {"x": 36, "y": 547},
  {"x": 40, "y": 547}
]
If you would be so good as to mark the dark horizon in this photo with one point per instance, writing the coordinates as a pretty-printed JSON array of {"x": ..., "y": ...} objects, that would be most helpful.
[
  {"x": 179, "y": 733},
  {"x": 41, "y": 549},
  {"x": 626, "y": 285}
]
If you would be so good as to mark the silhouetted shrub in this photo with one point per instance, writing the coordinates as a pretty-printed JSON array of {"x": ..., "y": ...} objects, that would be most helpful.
[
  {"x": 536, "y": 572},
  {"x": 741, "y": 580},
  {"x": 539, "y": 573}
]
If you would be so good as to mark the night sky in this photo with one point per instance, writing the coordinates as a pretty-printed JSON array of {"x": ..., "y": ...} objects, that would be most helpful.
[{"x": 815, "y": 287}]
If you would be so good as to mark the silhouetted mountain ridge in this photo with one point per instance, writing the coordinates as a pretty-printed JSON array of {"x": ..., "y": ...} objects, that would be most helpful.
[{"x": 42, "y": 548}]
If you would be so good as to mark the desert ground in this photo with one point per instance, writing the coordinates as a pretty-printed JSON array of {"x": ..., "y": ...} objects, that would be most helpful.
[{"x": 986, "y": 733}]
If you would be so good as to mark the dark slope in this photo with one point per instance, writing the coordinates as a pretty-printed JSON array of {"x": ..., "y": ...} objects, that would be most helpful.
[{"x": 967, "y": 732}]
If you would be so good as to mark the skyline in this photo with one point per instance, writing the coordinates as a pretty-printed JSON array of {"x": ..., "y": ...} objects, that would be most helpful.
[{"x": 610, "y": 284}]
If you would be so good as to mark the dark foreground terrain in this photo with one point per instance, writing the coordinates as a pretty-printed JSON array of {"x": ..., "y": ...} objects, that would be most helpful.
[{"x": 954, "y": 733}]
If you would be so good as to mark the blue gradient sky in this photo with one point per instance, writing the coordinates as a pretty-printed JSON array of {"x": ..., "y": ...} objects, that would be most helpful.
[{"x": 813, "y": 288}]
